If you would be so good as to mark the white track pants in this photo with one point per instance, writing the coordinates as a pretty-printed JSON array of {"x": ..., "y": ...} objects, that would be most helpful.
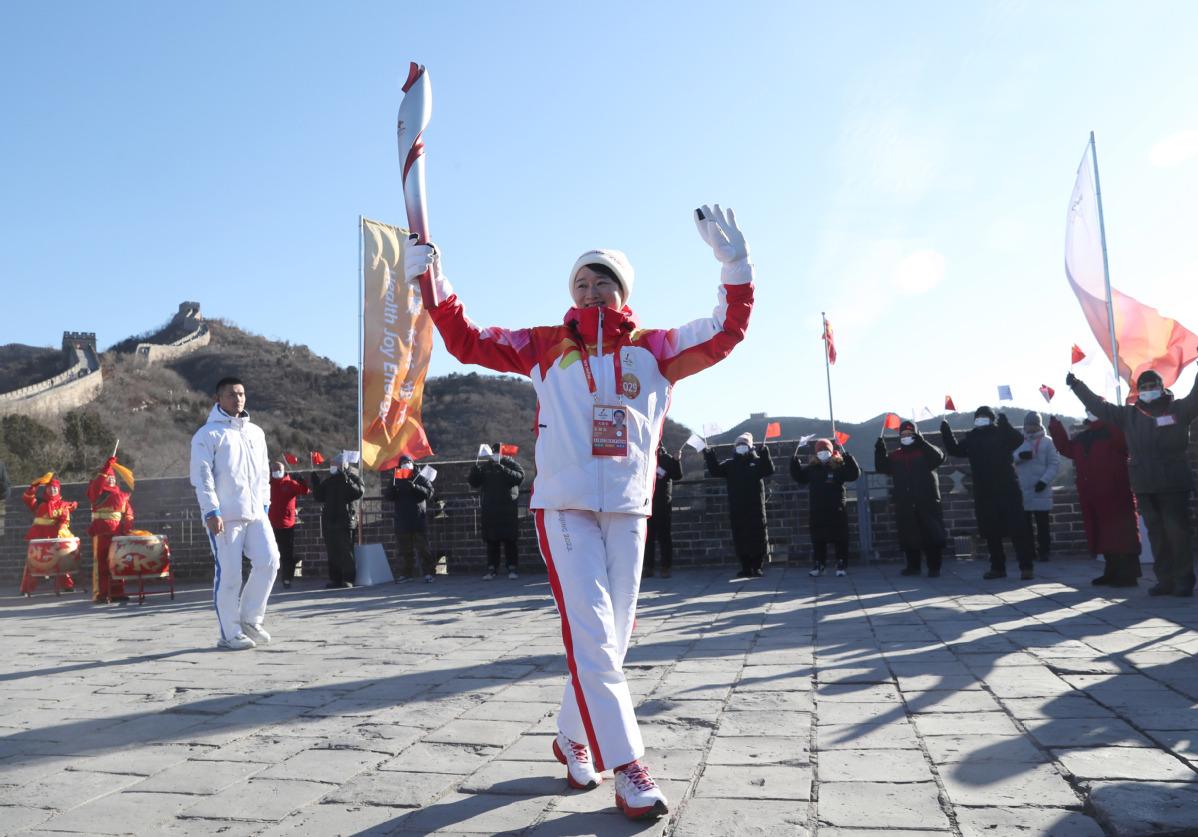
[
  {"x": 594, "y": 563},
  {"x": 256, "y": 540}
]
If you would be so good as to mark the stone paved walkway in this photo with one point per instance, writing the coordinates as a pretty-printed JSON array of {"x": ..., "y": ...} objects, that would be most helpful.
[{"x": 869, "y": 705}]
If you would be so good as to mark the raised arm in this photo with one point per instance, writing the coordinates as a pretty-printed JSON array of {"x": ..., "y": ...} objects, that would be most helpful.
[
  {"x": 767, "y": 461},
  {"x": 797, "y": 472},
  {"x": 851, "y": 471},
  {"x": 704, "y": 342},
  {"x": 495, "y": 348},
  {"x": 1096, "y": 404},
  {"x": 1060, "y": 437},
  {"x": 933, "y": 455},
  {"x": 672, "y": 465},
  {"x": 951, "y": 445},
  {"x": 714, "y": 466},
  {"x": 1187, "y": 407}
]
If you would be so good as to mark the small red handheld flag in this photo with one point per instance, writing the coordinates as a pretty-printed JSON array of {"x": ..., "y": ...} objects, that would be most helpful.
[
  {"x": 509, "y": 450},
  {"x": 1078, "y": 355},
  {"x": 948, "y": 403},
  {"x": 892, "y": 422},
  {"x": 773, "y": 430},
  {"x": 291, "y": 458},
  {"x": 1047, "y": 391},
  {"x": 842, "y": 437},
  {"x": 317, "y": 458}
]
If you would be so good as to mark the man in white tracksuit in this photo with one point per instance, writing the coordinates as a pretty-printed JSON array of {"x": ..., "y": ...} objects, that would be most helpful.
[
  {"x": 603, "y": 387},
  {"x": 230, "y": 472}
]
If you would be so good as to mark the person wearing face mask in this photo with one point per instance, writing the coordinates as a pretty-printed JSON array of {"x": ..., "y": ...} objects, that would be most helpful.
[
  {"x": 669, "y": 468},
  {"x": 112, "y": 514},
  {"x": 915, "y": 487},
  {"x": 593, "y": 491},
  {"x": 825, "y": 473},
  {"x": 497, "y": 479},
  {"x": 409, "y": 493},
  {"x": 339, "y": 494},
  {"x": 230, "y": 473},
  {"x": 997, "y": 499},
  {"x": 745, "y": 474},
  {"x": 284, "y": 488},
  {"x": 51, "y": 519},
  {"x": 1157, "y": 428},
  {"x": 1036, "y": 465},
  {"x": 1099, "y": 454}
]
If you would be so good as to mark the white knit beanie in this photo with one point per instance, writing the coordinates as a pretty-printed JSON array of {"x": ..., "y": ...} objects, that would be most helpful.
[{"x": 615, "y": 259}]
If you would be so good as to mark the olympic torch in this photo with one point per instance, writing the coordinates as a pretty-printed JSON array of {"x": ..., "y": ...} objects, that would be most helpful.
[{"x": 414, "y": 113}]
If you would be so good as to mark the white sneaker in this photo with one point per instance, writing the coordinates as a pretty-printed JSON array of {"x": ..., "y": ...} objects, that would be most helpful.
[
  {"x": 490, "y": 575},
  {"x": 241, "y": 642},
  {"x": 428, "y": 579},
  {"x": 841, "y": 573},
  {"x": 580, "y": 772},
  {"x": 816, "y": 572},
  {"x": 637, "y": 795},
  {"x": 256, "y": 633},
  {"x": 512, "y": 574}
]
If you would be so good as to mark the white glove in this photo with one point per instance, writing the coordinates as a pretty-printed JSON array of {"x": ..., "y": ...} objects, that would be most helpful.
[
  {"x": 419, "y": 259},
  {"x": 720, "y": 231}
]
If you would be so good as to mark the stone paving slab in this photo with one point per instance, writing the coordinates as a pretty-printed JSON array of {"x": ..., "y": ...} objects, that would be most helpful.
[{"x": 868, "y": 705}]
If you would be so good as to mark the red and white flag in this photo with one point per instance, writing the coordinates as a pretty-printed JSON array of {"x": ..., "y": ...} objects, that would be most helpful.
[
  {"x": 1147, "y": 340},
  {"x": 830, "y": 343},
  {"x": 1047, "y": 391},
  {"x": 948, "y": 403},
  {"x": 1077, "y": 357}
]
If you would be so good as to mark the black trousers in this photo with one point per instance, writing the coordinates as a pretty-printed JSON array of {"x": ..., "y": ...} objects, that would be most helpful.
[
  {"x": 935, "y": 556},
  {"x": 1025, "y": 551},
  {"x": 660, "y": 532},
  {"x": 1037, "y": 523},
  {"x": 339, "y": 543},
  {"x": 819, "y": 553},
  {"x": 1167, "y": 517},
  {"x": 285, "y": 538},
  {"x": 509, "y": 554}
]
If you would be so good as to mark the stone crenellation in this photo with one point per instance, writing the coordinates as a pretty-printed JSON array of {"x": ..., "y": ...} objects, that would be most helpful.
[
  {"x": 74, "y": 387},
  {"x": 188, "y": 316}
]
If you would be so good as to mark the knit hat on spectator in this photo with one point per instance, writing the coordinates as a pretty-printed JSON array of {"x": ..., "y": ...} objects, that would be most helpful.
[
  {"x": 1032, "y": 419},
  {"x": 823, "y": 444},
  {"x": 984, "y": 412},
  {"x": 908, "y": 425},
  {"x": 746, "y": 438}
]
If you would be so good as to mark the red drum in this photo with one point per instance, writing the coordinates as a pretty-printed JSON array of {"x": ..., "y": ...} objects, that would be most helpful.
[
  {"x": 53, "y": 556},
  {"x": 139, "y": 555}
]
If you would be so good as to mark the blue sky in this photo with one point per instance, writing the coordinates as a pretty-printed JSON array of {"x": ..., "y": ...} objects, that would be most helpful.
[{"x": 905, "y": 167}]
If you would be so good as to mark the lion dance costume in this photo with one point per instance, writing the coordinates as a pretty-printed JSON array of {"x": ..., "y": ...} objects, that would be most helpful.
[{"x": 51, "y": 519}]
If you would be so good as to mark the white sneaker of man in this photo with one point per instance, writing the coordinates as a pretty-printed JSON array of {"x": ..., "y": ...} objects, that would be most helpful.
[
  {"x": 241, "y": 642},
  {"x": 490, "y": 575},
  {"x": 580, "y": 771},
  {"x": 816, "y": 572},
  {"x": 512, "y": 574},
  {"x": 841, "y": 573},
  {"x": 256, "y": 633},
  {"x": 428, "y": 579},
  {"x": 637, "y": 795}
]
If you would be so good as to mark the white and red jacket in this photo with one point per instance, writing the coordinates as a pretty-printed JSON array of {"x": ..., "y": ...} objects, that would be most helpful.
[{"x": 633, "y": 368}]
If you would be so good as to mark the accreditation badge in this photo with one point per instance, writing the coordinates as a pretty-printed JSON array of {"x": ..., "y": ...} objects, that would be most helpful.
[
  {"x": 609, "y": 431},
  {"x": 1166, "y": 420}
]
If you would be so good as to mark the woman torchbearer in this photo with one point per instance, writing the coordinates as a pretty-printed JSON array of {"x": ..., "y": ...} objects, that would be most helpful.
[{"x": 603, "y": 385}]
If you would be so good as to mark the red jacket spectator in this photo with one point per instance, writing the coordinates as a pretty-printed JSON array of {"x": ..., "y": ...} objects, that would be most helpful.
[{"x": 283, "y": 492}]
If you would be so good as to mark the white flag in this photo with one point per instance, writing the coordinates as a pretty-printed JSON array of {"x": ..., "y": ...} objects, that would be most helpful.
[
  {"x": 484, "y": 450},
  {"x": 805, "y": 439},
  {"x": 712, "y": 429},
  {"x": 924, "y": 413},
  {"x": 1004, "y": 392},
  {"x": 351, "y": 456},
  {"x": 428, "y": 472},
  {"x": 696, "y": 442}
]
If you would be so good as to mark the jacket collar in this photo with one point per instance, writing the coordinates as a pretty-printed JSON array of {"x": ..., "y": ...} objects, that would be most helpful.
[
  {"x": 585, "y": 321},
  {"x": 219, "y": 416}
]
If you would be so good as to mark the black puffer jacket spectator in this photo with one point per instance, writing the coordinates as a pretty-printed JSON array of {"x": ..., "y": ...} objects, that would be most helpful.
[
  {"x": 339, "y": 493},
  {"x": 825, "y": 473},
  {"x": 997, "y": 498},
  {"x": 744, "y": 475},
  {"x": 498, "y": 482},
  {"x": 1157, "y": 428},
  {"x": 916, "y": 493},
  {"x": 409, "y": 493},
  {"x": 661, "y": 523}
]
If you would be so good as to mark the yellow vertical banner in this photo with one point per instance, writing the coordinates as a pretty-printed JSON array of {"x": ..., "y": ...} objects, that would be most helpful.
[{"x": 397, "y": 339}]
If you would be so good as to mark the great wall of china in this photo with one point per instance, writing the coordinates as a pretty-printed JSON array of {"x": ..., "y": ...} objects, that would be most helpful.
[{"x": 82, "y": 382}]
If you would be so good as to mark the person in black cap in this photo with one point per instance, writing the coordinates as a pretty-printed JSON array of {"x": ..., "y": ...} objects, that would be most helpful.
[
  {"x": 997, "y": 500},
  {"x": 912, "y": 468},
  {"x": 1157, "y": 427}
]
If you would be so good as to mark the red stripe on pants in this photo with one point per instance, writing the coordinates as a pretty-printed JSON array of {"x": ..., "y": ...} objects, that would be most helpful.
[{"x": 567, "y": 639}]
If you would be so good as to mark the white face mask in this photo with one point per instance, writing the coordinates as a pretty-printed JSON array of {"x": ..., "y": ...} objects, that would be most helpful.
[
  {"x": 823, "y": 455},
  {"x": 907, "y": 440},
  {"x": 981, "y": 422},
  {"x": 1034, "y": 432},
  {"x": 741, "y": 449},
  {"x": 1150, "y": 395},
  {"x": 277, "y": 474}
]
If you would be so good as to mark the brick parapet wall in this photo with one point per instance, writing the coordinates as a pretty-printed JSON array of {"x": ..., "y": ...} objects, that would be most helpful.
[{"x": 701, "y": 535}]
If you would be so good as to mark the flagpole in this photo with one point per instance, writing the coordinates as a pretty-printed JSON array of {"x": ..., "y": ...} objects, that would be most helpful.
[
  {"x": 1106, "y": 273},
  {"x": 361, "y": 350},
  {"x": 828, "y": 372}
]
